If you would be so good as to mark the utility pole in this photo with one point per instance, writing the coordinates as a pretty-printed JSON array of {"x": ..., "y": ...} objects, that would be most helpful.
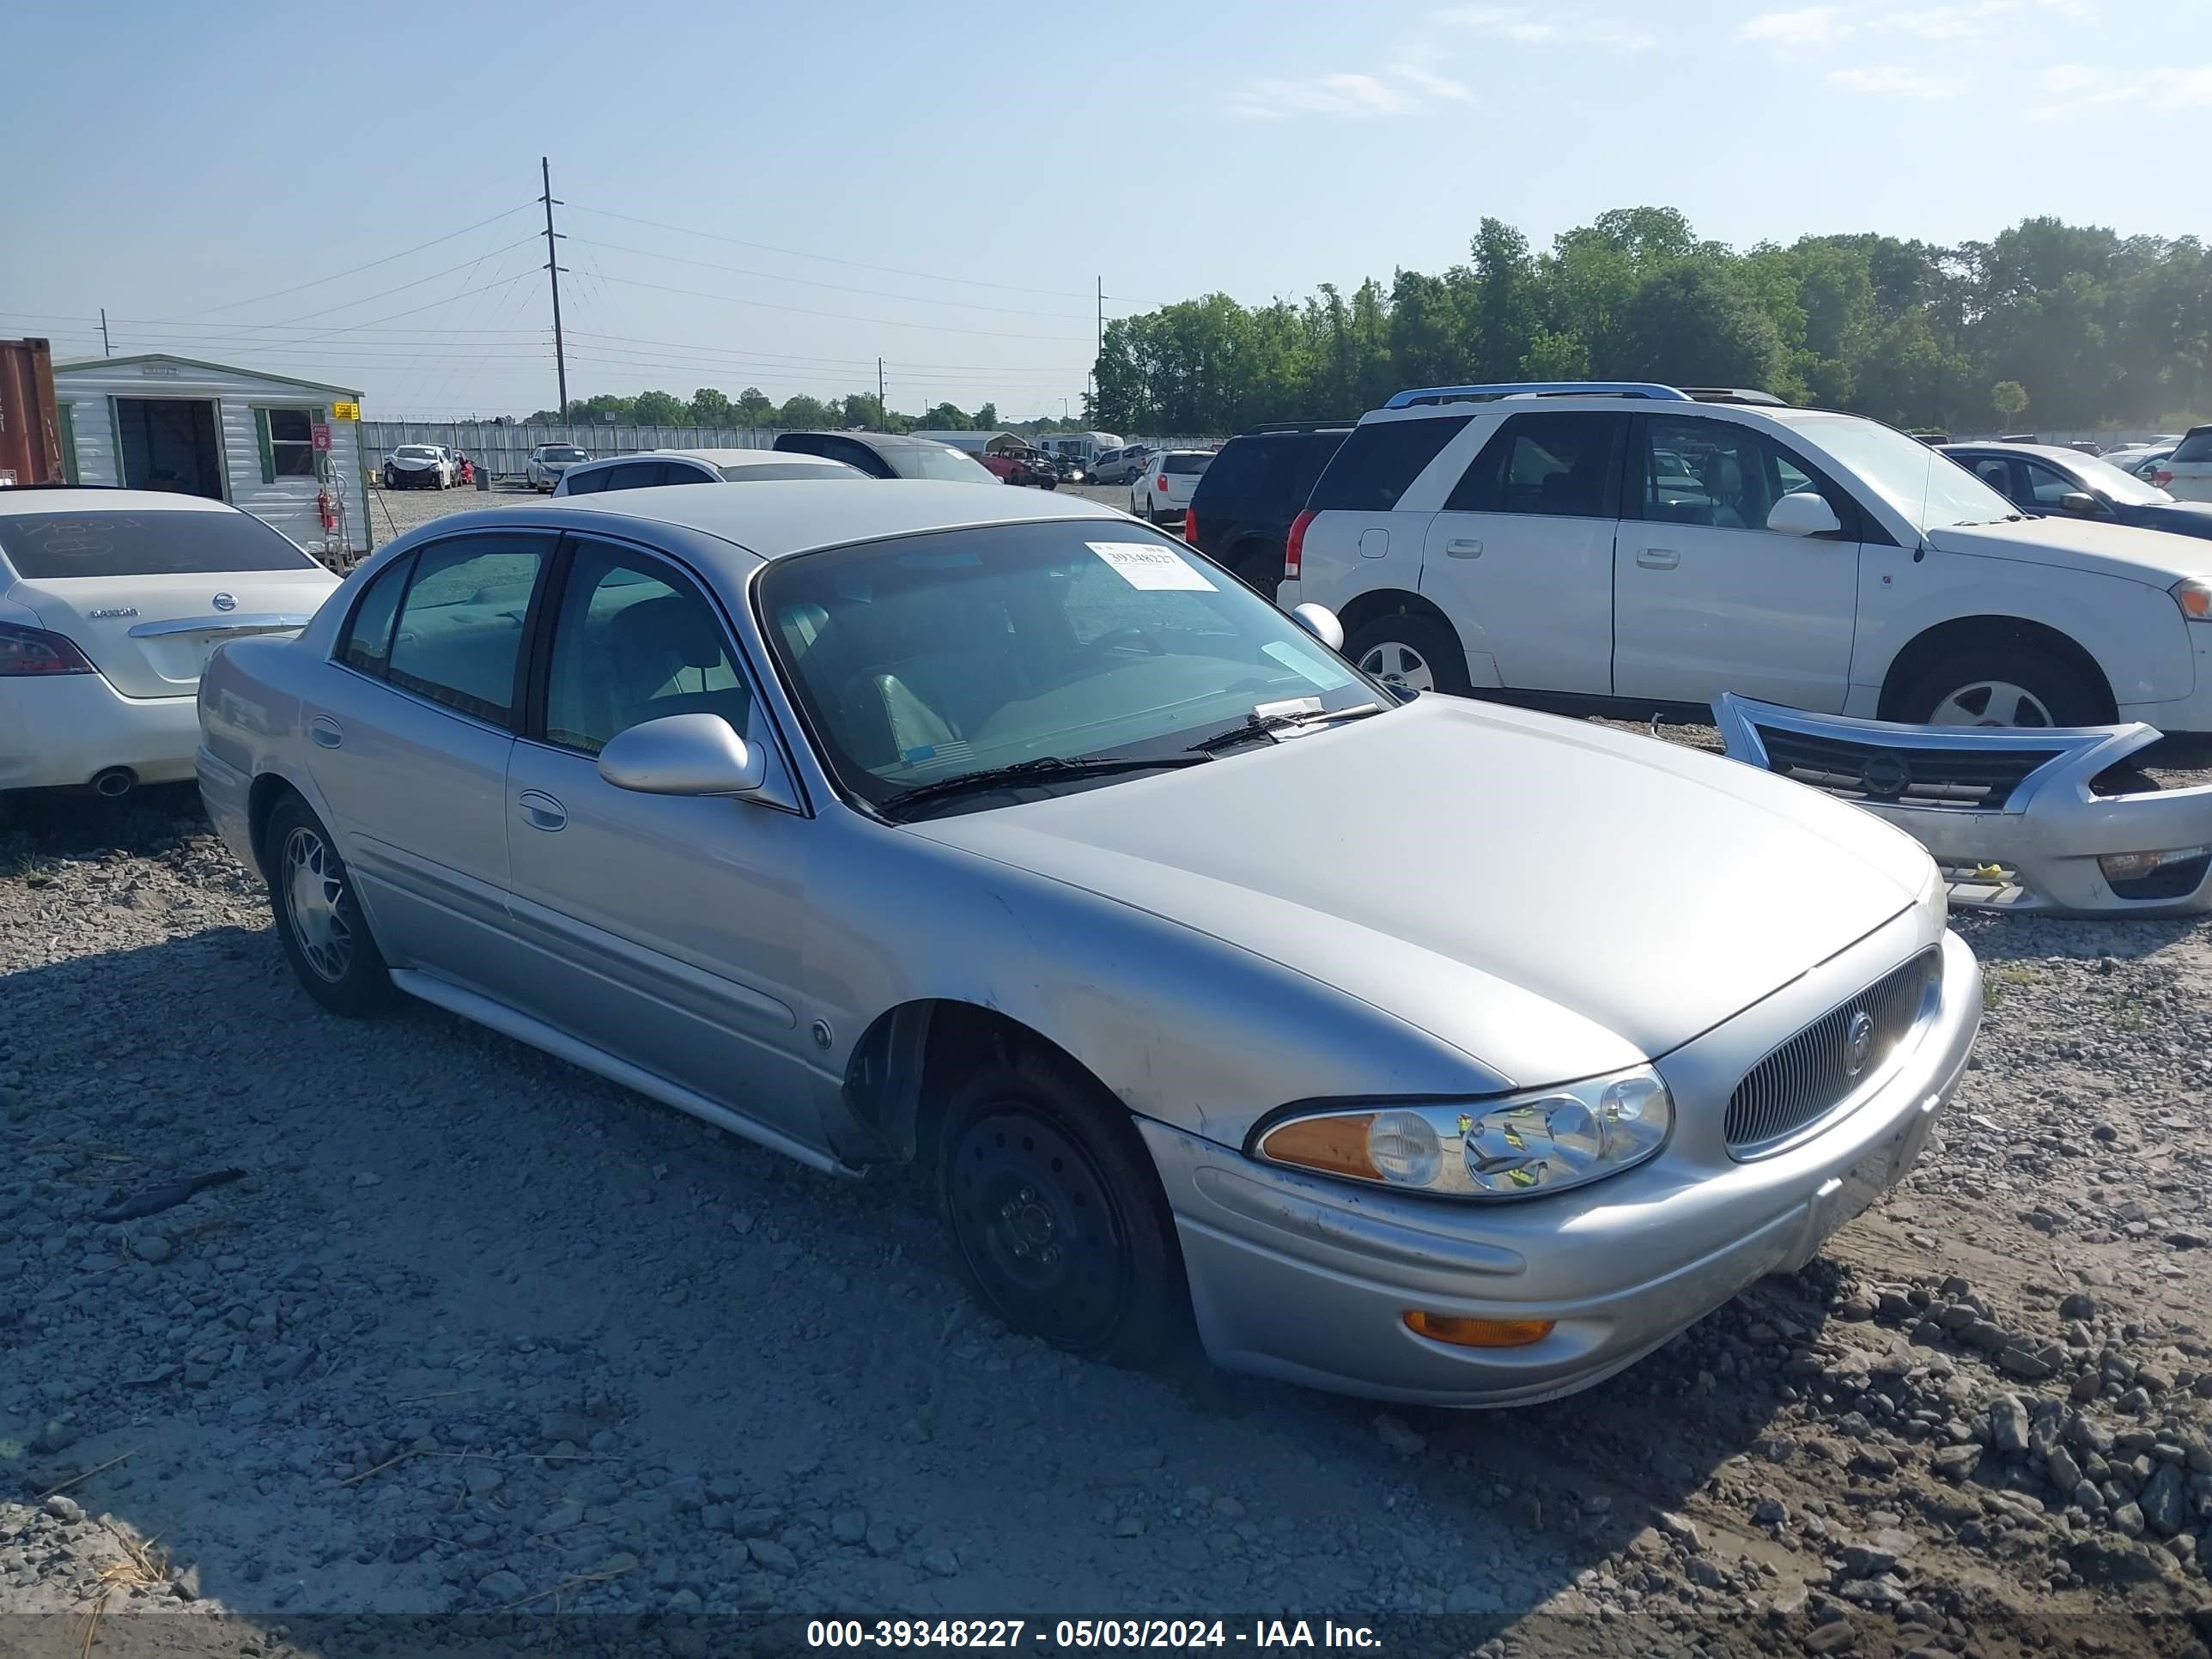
[
  {"x": 105, "y": 349},
  {"x": 1101, "y": 351},
  {"x": 553, "y": 269},
  {"x": 883, "y": 415}
]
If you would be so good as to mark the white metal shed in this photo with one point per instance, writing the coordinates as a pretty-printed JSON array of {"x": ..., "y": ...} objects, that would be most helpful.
[{"x": 241, "y": 435}]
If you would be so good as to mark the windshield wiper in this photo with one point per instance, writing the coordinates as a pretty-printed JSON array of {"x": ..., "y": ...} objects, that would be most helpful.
[
  {"x": 1044, "y": 769},
  {"x": 1256, "y": 725}
]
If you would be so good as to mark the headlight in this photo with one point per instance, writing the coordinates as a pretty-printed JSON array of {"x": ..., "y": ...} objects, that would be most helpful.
[
  {"x": 1544, "y": 1141},
  {"x": 2194, "y": 595}
]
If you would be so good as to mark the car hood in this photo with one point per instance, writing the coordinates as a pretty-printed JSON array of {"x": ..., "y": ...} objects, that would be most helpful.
[
  {"x": 1552, "y": 898},
  {"x": 414, "y": 463},
  {"x": 2179, "y": 518},
  {"x": 2111, "y": 550}
]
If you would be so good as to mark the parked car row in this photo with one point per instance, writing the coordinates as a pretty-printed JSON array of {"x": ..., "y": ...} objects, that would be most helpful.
[{"x": 897, "y": 789}]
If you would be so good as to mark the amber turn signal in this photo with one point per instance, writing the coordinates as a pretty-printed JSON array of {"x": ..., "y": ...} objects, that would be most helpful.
[
  {"x": 1478, "y": 1333},
  {"x": 1334, "y": 1145}
]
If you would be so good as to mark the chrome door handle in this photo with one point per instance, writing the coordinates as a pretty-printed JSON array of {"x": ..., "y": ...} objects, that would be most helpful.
[
  {"x": 1658, "y": 558},
  {"x": 540, "y": 811},
  {"x": 324, "y": 733},
  {"x": 1464, "y": 548}
]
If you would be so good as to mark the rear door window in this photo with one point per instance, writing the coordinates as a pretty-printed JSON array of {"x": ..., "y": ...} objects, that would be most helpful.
[
  {"x": 1379, "y": 463},
  {"x": 54, "y": 546},
  {"x": 1561, "y": 465},
  {"x": 2197, "y": 446},
  {"x": 590, "y": 482},
  {"x": 460, "y": 630},
  {"x": 638, "y": 475},
  {"x": 367, "y": 644}
]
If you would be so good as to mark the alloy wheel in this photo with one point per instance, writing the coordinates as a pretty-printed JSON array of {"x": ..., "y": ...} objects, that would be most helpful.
[
  {"x": 1395, "y": 663},
  {"x": 1992, "y": 702},
  {"x": 314, "y": 892}
]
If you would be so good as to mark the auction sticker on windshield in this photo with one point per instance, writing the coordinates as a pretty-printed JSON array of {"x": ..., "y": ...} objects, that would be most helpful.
[{"x": 1150, "y": 565}]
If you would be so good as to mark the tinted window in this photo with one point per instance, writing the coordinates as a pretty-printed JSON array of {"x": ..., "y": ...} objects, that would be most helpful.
[
  {"x": 49, "y": 546},
  {"x": 1240, "y": 473},
  {"x": 1717, "y": 473},
  {"x": 854, "y": 454},
  {"x": 1185, "y": 465},
  {"x": 634, "y": 640},
  {"x": 2197, "y": 446},
  {"x": 460, "y": 628},
  {"x": 1558, "y": 464},
  {"x": 804, "y": 443},
  {"x": 369, "y": 635},
  {"x": 638, "y": 475},
  {"x": 590, "y": 482},
  {"x": 1379, "y": 463}
]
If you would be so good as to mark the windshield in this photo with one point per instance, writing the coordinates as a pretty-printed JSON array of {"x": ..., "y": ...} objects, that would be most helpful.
[
  {"x": 414, "y": 452},
  {"x": 560, "y": 453},
  {"x": 936, "y": 461},
  {"x": 933, "y": 656},
  {"x": 1930, "y": 488},
  {"x": 2110, "y": 482},
  {"x": 51, "y": 546}
]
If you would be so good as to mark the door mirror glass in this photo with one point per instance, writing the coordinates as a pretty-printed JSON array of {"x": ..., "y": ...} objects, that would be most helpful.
[
  {"x": 1321, "y": 622},
  {"x": 1801, "y": 512},
  {"x": 683, "y": 755},
  {"x": 2078, "y": 501}
]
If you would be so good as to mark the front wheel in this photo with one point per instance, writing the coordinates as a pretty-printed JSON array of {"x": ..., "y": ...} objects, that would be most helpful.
[
  {"x": 1994, "y": 686},
  {"x": 1415, "y": 651},
  {"x": 318, "y": 918},
  {"x": 1056, "y": 1212}
]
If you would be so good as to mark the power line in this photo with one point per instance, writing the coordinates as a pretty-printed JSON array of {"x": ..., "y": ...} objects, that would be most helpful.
[
  {"x": 839, "y": 316},
  {"x": 841, "y": 287},
  {"x": 278, "y": 294},
  {"x": 346, "y": 305},
  {"x": 828, "y": 259}
]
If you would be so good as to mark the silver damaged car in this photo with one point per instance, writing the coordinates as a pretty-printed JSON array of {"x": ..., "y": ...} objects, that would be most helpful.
[{"x": 1417, "y": 1047}]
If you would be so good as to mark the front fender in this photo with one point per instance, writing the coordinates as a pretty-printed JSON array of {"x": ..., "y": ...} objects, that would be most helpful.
[
  {"x": 2134, "y": 630},
  {"x": 1182, "y": 1027}
]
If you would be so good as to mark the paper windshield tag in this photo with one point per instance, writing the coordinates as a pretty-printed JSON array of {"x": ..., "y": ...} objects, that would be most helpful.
[{"x": 1150, "y": 565}]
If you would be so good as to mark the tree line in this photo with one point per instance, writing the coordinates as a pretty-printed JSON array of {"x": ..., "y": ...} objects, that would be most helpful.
[
  {"x": 754, "y": 408},
  {"x": 2067, "y": 326}
]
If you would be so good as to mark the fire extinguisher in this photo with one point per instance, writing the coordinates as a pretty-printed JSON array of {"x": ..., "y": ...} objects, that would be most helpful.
[{"x": 328, "y": 508}]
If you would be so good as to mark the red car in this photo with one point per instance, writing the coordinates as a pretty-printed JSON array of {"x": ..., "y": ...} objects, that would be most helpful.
[{"x": 1023, "y": 466}]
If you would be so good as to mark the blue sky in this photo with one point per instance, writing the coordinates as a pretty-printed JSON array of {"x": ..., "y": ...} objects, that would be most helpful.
[{"x": 773, "y": 195}]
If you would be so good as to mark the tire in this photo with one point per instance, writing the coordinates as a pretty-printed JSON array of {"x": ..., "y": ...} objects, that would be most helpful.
[
  {"x": 2004, "y": 686},
  {"x": 1259, "y": 566},
  {"x": 1056, "y": 1214},
  {"x": 1419, "y": 652},
  {"x": 329, "y": 949}
]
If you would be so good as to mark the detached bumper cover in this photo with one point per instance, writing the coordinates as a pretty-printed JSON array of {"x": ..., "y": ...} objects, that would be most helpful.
[{"x": 2011, "y": 816}]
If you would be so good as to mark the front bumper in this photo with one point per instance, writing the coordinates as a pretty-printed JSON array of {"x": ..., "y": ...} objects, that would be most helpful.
[
  {"x": 2036, "y": 849},
  {"x": 1309, "y": 1279},
  {"x": 65, "y": 729}
]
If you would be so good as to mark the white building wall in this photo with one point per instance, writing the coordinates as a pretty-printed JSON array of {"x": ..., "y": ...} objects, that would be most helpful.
[{"x": 287, "y": 504}]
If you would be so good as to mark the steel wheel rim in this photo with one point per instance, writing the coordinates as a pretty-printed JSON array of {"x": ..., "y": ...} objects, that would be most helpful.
[
  {"x": 314, "y": 896},
  {"x": 1992, "y": 702},
  {"x": 1395, "y": 663},
  {"x": 1039, "y": 1229}
]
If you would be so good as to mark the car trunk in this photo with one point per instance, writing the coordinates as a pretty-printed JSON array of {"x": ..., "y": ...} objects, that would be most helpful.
[{"x": 150, "y": 635}]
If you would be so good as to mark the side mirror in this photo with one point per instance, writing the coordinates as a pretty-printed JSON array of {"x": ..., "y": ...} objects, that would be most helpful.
[
  {"x": 1801, "y": 512},
  {"x": 2078, "y": 501},
  {"x": 683, "y": 755},
  {"x": 1321, "y": 622}
]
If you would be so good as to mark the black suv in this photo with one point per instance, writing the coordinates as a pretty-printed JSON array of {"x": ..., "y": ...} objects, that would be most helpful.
[
  {"x": 888, "y": 455},
  {"x": 1240, "y": 514}
]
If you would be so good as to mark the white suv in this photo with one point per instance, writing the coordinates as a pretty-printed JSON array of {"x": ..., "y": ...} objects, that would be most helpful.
[
  {"x": 1162, "y": 488},
  {"x": 1641, "y": 549},
  {"x": 2187, "y": 474}
]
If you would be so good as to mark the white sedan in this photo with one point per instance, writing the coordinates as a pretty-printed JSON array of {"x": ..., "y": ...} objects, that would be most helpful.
[
  {"x": 111, "y": 601},
  {"x": 419, "y": 466}
]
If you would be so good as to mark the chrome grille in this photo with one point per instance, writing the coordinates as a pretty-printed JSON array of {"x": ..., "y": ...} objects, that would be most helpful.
[{"x": 1811, "y": 1073}]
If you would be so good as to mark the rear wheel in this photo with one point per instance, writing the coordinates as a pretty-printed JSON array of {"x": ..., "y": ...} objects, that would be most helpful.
[
  {"x": 1056, "y": 1212},
  {"x": 318, "y": 918},
  {"x": 1418, "y": 653},
  {"x": 1996, "y": 686}
]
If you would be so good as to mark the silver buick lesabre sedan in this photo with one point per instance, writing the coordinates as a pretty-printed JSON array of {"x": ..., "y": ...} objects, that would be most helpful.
[{"x": 1412, "y": 1046}]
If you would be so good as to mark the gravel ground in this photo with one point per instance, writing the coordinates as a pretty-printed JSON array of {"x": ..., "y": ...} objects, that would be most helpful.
[{"x": 474, "y": 1331}]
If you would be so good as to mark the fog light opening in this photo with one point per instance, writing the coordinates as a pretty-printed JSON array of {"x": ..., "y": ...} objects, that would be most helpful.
[{"x": 1478, "y": 1333}]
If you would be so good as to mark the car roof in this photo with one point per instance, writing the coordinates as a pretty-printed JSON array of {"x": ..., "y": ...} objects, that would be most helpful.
[
  {"x": 776, "y": 518},
  {"x": 2041, "y": 451},
  {"x": 742, "y": 457},
  {"x": 107, "y": 500}
]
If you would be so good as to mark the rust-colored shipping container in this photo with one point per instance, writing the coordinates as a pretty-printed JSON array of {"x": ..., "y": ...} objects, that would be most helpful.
[{"x": 30, "y": 430}]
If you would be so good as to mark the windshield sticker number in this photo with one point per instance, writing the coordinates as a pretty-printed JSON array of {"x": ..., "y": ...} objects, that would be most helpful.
[{"x": 1150, "y": 566}]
